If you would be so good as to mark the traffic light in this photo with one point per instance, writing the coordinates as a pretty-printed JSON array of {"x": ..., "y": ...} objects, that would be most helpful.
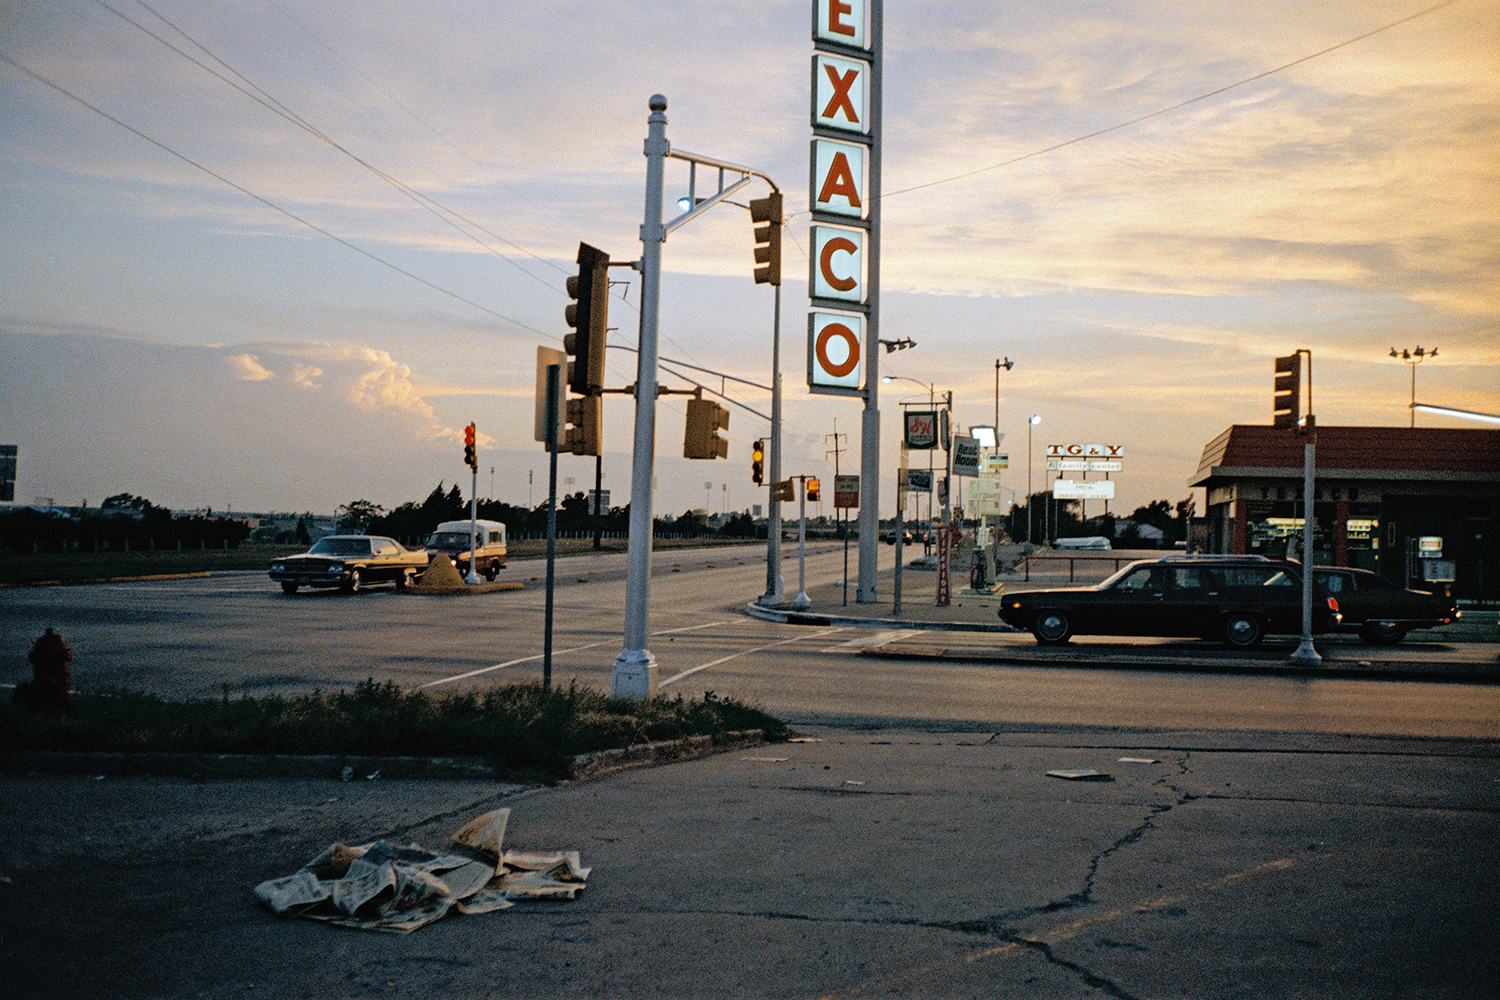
[
  {"x": 585, "y": 417},
  {"x": 757, "y": 462},
  {"x": 471, "y": 457},
  {"x": 1286, "y": 399},
  {"x": 812, "y": 488},
  {"x": 766, "y": 214},
  {"x": 588, "y": 315},
  {"x": 705, "y": 419}
]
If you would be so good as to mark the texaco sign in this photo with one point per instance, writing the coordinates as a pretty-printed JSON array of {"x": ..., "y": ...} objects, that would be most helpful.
[{"x": 839, "y": 183}]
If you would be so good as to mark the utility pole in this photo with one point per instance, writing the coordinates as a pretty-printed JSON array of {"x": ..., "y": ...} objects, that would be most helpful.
[{"x": 844, "y": 519}]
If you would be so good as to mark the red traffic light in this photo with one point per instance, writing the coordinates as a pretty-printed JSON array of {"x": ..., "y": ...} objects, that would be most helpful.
[{"x": 471, "y": 457}]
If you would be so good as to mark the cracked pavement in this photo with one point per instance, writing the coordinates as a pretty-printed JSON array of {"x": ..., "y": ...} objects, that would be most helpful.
[{"x": 873, "y": 862}]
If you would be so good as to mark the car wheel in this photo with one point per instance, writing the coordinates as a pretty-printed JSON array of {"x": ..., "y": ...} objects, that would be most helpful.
[
  {"x": 1243, "y": 630},
  {"x": 491, "y": 572},
  {"x": 288, "y": 587},
  {"x": 1381, "y": 633},
  {"x": 354, "y": 581},
  {"x": 1052, "y": 628},
  {"x": 404, "y": 580}
]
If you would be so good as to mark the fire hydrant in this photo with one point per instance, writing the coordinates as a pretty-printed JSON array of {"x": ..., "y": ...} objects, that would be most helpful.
[{"x": 51, "y": 684}]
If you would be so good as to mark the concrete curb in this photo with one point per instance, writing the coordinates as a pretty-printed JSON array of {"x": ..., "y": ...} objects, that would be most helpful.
[
  {"x": 336, "y": 767},
  {"x": 1467, "y": 673},
  {"x": 791, "y": 616},
  {"x": 417, "y": 590},
  {"x": 592, "y": 765}
]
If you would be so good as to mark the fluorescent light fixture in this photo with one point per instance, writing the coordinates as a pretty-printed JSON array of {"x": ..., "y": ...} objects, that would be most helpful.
[
  {"x": 1448, "y": 411},
  {"x": 984, "y": 435}
]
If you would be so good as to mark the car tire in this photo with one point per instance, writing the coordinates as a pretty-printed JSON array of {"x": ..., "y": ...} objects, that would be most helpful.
[
  {"x": 1381, "y": 633},
  {"x": 353, "y": 585},
  {"x": 288, "y": 587},
  {"x": 1243, "y": 630},
  {"x": 404, "y": 580},
  {"x": 491, "y": 571},
  {"x": 1052, "y": 628}
]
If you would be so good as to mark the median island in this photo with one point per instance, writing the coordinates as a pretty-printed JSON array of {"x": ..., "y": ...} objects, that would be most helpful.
[{"x": 521, "y": 732}]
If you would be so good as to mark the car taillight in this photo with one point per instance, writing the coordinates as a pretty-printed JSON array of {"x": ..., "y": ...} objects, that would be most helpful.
[{"x": 1333, "y": 604}]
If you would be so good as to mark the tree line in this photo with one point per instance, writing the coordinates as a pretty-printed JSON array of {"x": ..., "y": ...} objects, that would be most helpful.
[
  {"x": 1052, "y": 518},
  {"x": 121, "y": 522},
  {"x": 413, "y": 521}
]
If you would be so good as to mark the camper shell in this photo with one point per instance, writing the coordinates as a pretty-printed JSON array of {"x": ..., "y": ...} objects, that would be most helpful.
[{"x": 451, "y": 538}]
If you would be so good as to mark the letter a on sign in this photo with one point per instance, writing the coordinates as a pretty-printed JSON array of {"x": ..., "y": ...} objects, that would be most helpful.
[
  {"x": 838, "y": 182},
  {"x": 834, "y": 348}
]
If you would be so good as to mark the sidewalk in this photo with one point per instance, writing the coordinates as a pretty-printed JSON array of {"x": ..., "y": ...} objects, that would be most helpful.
[{"x": 969, "y": 629}]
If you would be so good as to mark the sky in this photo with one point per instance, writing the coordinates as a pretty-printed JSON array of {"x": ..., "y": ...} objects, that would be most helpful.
[{"x": 263, "y": 256}]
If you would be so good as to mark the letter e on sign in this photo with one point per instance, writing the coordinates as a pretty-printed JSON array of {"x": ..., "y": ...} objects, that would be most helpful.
[
  {"x": 841, "y": 21},
  {"x": 835, "y": 344},
  {"x": 838, "y": 263}
]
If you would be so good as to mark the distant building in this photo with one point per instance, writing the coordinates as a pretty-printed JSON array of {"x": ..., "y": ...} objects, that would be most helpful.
[{"x": 1412, "y": 504}]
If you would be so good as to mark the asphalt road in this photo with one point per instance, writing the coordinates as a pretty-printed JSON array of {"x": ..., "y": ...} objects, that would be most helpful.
[
  {"x": 1250, "y": 837},
  {"x": 238, "y": 633}
]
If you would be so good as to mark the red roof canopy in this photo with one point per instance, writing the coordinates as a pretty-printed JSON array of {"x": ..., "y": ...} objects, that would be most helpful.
[{"x": 1246, "y": 447}]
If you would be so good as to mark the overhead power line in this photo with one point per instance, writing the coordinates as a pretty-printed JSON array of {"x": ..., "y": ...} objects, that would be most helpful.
[{"x": 1175, "y": 107}]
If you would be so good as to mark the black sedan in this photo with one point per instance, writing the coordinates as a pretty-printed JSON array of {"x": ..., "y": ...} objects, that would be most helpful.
[
  {"x": 1380, "y": 611},
  {"x": 1238, "y": 600}
]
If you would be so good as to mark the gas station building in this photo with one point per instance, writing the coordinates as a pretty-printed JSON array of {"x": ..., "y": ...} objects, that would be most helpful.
[{"x": 1420, "y": 506}]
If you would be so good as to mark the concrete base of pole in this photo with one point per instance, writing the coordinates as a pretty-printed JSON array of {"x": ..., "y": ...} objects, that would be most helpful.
[
  {"x": 634, "y": 675},
  {"x": 1305, "y": 656}
]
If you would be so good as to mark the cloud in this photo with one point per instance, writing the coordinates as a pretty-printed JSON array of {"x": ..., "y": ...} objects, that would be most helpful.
[{"x": 247, "y": 367}]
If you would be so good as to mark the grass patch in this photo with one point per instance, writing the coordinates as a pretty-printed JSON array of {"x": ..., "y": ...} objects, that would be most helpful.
[{"x": 524, "y": 731}]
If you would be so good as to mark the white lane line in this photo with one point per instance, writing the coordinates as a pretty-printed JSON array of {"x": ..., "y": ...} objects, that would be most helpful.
[
  {"x": 872, "y": 639},
  {"x": 744, "y": 652},
  {"x": 555, "y": 652}
]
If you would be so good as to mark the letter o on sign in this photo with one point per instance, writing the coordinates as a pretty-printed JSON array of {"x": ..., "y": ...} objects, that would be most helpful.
[
  {"x": 837, "y": 331},
  {"x": 834, "y": 352}
]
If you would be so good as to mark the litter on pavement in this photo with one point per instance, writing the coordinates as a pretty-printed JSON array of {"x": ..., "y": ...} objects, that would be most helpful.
[
  {"x": 1080, "y": 774},
  {"x": 387, "y": 887}
]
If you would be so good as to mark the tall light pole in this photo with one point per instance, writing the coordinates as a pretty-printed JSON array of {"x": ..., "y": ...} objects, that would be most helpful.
[
  {"x": 1413, "y": 358},
  {"x": 1036, "y": 418},
  {"x": 931, "y": 402},
  {"x": 1007, "y": 364}
]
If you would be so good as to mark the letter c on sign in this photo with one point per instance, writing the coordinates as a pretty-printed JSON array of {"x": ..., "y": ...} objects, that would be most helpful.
[
  {"x": 825, "y": 262},
  {"x": 847, "y": 365}
]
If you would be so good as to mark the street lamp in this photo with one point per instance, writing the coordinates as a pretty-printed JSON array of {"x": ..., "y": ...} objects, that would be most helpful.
[
  {"x": 1413, "y": 358},
  {"x": 931, "y": 402},
  {"x": 1007, "y": 364},
  {"x": 1036, "y": 418}
]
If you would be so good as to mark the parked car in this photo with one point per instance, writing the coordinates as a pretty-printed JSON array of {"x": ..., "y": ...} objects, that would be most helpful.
[
  {"x": 890, "y": 537},
  {"x": 1238, "y": 599},
  {"x": 451, "y": 538},
  {"x": 1380, "y": 611},
  {"x": 349, "y": 562}
]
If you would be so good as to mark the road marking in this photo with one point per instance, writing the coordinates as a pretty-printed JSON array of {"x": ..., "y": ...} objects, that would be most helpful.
[
  {"x": 872, "y": 639},
  {"x": 744, "y": 652},
  {"x": 555, "y": 652}
]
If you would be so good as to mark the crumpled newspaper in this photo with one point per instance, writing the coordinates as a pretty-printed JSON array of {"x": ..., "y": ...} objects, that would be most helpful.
[{"x": 387, "y": 887}]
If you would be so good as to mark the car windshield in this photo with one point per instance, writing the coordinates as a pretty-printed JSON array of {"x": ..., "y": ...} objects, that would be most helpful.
[
  {"x": 448, "y": 540},
  {"x": 341, "y": 547}
]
